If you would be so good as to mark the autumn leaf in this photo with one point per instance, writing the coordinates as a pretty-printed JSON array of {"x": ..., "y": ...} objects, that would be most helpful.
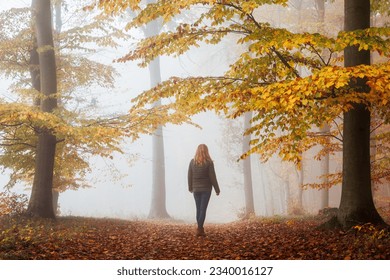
[{"x": 256, "y": 238}]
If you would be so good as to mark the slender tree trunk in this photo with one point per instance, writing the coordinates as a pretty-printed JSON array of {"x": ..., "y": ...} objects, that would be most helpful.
[
  {"x": 320, "y": 5},
  {"x": 272, "y": 201},
  {"x": 324, "y": 193},
  {"x": 247, "y": 168},
  {"x": 300, "y": 188},
  {"x": 287, "y": 197},
  {"x": 40, "y": 203},
  {"x": 158, "y": 202},
  {"x": 58, "y": 10},
  {"x": 266, "y": 199},
  {"x": 373, "y": 154},
  {"x": 324, "y": 202},
  {"x": 356, "y": 205},
  {"x": 299, "y": 205}
]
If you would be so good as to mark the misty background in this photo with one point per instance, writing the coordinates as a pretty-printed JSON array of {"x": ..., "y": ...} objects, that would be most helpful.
[{"x": 121, "y": 187}]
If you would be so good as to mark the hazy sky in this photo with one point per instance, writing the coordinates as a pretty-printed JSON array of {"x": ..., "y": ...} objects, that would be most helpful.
[{"x": 115, "y": 199}]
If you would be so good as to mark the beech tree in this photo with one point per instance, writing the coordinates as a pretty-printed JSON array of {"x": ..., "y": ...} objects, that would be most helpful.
[
  {"x": 40, "y": 203},
  {"x": 158, "y": 202},
  {"x": 325, "y": 128},
  {"x": 247, "y": 170},
  {"x": 78, "y": 134},
  {"x": 76, "y": 73},
  {"x": 234, "y": 143},
  {"x": 357, "y": 205},
  {"x": 265, "y": 79}
]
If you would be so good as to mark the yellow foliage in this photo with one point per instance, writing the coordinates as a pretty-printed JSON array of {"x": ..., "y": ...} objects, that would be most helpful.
[
  {"x": 265, "y": 79},
  {"x": 78, "y": 136}
]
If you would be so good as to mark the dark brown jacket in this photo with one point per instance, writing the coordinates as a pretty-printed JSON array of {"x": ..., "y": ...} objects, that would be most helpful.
[{"x": 202, "y": 177}]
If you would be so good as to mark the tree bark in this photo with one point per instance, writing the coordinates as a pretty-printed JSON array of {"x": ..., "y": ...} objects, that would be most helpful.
[
  {"x": 267, "y": 200},
  {"x": 300, "y": 187},
  {"x": 320, "y": 6},
  {"x": 324, "y": 164},
  {"x": 34, "y": 70},
  {"x": 158, "y": 203},
  {"x": 40, "y": 203},
  {"x": 247, "y": 168},
  {"x": 58, "y": 27},
  {"x": 356, "y": 205},
  {"x": 324, "y": 202}
]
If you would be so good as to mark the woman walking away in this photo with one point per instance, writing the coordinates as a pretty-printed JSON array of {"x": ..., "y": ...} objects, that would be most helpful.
[{"x": 201, "y": 179}]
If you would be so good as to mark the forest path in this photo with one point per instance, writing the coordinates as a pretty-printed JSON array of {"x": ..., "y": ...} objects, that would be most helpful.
[{"x": 88, "y": 238}]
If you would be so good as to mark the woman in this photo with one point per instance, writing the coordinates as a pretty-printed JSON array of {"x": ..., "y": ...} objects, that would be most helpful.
[{"x": 201, "y": 179}]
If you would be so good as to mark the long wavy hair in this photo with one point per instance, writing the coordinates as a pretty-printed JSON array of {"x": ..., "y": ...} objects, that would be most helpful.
[{"x": 202, "y": 155}]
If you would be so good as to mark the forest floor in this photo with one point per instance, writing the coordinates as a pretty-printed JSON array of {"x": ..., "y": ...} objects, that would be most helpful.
[{"x": 255, "y": 238}]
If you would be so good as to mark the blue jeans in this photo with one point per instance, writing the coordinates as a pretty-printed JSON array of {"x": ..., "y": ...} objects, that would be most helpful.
[{"x": 201, "y": 201}]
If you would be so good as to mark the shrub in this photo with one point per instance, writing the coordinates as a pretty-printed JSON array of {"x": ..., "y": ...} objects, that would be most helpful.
[{"x": 12, "y": 203}]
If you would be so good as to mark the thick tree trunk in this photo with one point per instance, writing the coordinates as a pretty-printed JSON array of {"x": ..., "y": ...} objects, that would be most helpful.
[
  {"x": 34, "y": 71},
  {"x": 247, "y": 168},
  {"x": 40, "y": 203},
  {"x": 158, "y": 203},
  {"x": 356, "y": 205}
]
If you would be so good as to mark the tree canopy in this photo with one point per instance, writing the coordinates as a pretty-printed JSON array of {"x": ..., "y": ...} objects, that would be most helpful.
[
  {"x": 79, "y": 133},
  {"x": 292, "y": 81}
]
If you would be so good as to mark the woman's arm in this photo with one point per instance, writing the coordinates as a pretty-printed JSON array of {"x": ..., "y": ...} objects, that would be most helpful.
[
  {"x": 189, "y": 177},
  {"x": 213, "y": 178}
]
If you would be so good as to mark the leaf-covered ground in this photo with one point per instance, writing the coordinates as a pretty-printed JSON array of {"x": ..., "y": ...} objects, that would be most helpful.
[{"x": 272, "y": 238}]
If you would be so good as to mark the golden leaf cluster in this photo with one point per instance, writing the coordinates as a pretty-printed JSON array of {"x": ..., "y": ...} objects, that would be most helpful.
[
  {"x": 266, "y": 78},
  {"x": 79, "y": 135}
]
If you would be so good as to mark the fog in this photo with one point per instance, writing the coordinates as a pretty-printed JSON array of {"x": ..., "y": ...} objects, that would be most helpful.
[
  {"x": 129, "y": 197},
  {"x": 121, "y": 187}
]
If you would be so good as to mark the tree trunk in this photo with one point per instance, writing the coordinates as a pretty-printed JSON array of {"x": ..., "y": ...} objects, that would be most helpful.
[
  {"x": 324, "y": 202},
  {"x": 58, "y": 9},
  {"x": 266, "y": 200},
  {"x": 36, "y": 84},
  {"x": 41, "y": 201},
  {"x": 158, "y": 202},
  {"x": 34, "y": 70},
  {"x": 356, "y": 205},
  {"x": 287, "y": 198},
  {"x": 58, "y": 27},
  {"x": 300, "y": 188},
  {"x": 56, "y": 195},
  {"x": 320, "y": 6},
  {"x": 248, "y": 189},
  {"x": 324, "y": 193}
]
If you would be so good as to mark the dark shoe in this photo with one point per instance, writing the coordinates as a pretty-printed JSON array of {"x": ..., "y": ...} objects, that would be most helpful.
[{"x": 200, "y": 232}]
